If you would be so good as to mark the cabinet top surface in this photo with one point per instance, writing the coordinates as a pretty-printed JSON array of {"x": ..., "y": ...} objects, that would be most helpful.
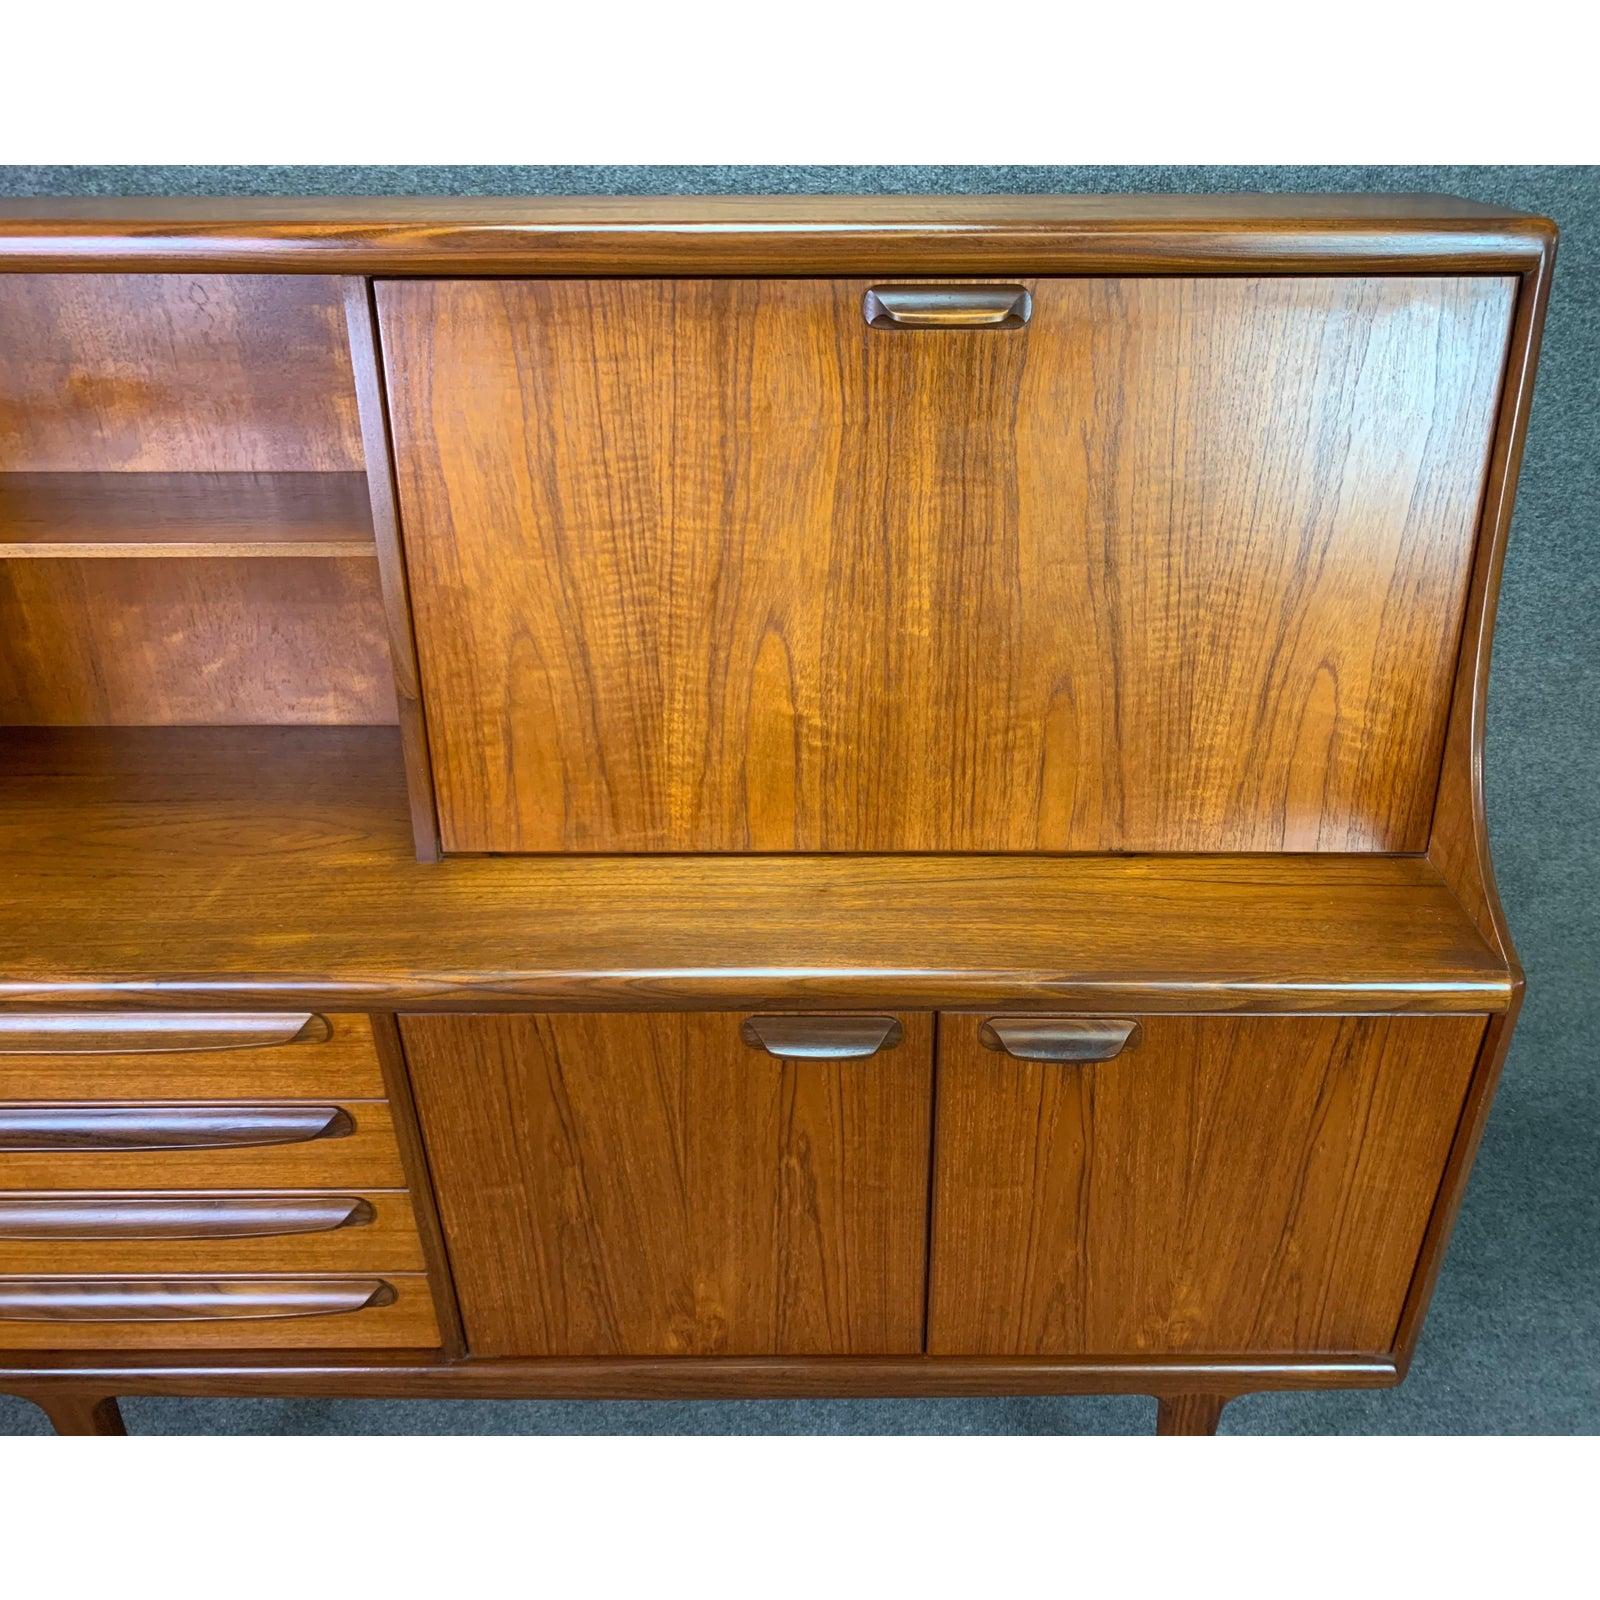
[{"x": 770, "y": 234}]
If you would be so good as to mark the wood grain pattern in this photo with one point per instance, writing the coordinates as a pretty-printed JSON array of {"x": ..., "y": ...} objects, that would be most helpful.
[
  {"x": 712, "y": 566},
  {"x": 1233, "y": 1185},
  {"x": 364, "y": 1158},
  {"x": 790, "y": 236},
  {"x": 651, "y": 1185},
  {"x": 372, "y": 1230},
  {"x": 115, "y": 515},
  {"x": 339, "y": 913},
  {"x": 203, "y": 641},
  {"x": 174, "y": 373},
  {"x": 344, "y": 1064},
  {"x": 219, "y": 1313}
]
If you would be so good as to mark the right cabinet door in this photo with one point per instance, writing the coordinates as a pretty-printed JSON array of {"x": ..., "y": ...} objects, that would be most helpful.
[{"x": 1222, "y": 1185}]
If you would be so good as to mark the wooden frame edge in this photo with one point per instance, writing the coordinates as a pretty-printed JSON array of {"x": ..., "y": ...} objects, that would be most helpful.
[{"x": 373, "y": 409}]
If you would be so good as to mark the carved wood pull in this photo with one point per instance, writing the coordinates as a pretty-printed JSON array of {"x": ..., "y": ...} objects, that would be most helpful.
[
  {"x": 146, "y": 1127},
  {"x": 821, "y": 1038},
  {"x": 186, "y": 1299},
  {"x": 954, "y": 305},
  {"x": 1059, "y": 1038},
  {"x": 109, "y": 1216},
  {"x": 138, "y": 1032}
]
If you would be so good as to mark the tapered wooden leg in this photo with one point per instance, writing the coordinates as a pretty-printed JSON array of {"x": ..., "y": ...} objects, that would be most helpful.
[
  {"x": 79, "y": 1414},
  {"x": 1189, "y": 1413}
]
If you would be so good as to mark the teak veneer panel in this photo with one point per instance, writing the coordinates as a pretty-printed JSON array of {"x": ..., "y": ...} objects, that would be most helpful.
[
  {"x": 1233, "y": 1185},
  {"x": 114, "y": 515},
  {"x": 206, "y": 641},
  {"x": 275, "y": 866},
  {"x": 175, "y": 372},
  {"x": 652, "y": 1185},
  {"x": 709, "y": 565}
]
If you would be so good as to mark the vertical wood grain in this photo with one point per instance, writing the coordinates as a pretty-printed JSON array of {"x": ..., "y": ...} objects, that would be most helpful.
[
  {"x": 1233, "y": 1185},
  {"x": 650, "y": 1185},
  {"x": 710, "y": 565},
  {"x": 174, "y": 372}
]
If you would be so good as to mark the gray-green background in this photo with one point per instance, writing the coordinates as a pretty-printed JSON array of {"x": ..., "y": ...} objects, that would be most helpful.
[{"x": 1513, "y": 1341}]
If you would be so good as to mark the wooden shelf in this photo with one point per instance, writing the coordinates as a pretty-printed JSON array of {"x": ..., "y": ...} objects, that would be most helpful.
[
  {"x": 258, "y": 866},
  {"x": 87, "y": 515}
]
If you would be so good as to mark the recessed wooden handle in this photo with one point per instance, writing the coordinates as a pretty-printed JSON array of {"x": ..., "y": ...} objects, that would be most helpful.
[
  {"x": 110, "y": 1216},
  {"x": 136, "y": 1032},
  {"x": 1059, "y": 1038},
  {"x": 150, "y": 1127},
  {"x": 186, "y": 1299},
  {"x": 821, "y": 1038},
  {"x": 955, "y": 305}
]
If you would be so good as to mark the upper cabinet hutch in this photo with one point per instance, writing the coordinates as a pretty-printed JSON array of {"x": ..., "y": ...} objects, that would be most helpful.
[{"x": 754, "y": 796}]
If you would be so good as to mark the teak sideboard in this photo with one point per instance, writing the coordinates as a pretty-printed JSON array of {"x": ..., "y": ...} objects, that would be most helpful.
[{"x": 780, "y": 797}]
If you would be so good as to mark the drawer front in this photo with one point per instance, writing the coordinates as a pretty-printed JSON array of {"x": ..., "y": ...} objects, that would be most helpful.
[
  {"x": 1187, "y": 1185},
  {"x": 680, "y": 1184},
  {"x": 175, "y": 1055},
  {"x": 180, "y": 1231},
  {"x": 719, "y": 565},
  {"x": 183, "y": 1313},
  {"x": 198, "y": 1145}
]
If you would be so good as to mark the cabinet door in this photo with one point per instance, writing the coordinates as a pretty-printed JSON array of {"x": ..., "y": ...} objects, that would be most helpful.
[
  {"x": 1246, "y": 1185},
  {"x": 659, "y": 1184},
  {"x": 1178, "y": 564}
]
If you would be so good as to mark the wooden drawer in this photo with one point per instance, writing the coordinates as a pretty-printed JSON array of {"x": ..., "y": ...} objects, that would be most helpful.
[
  {"x": 1213, "y": 1186},
  {"x": 393, "y": 1310},
  {"x": 727, "y": 565},
  {"x": 208, "y": 1232},
  {"x": 177, "y": 1055},
  {"x": 199, "y": 1145}
]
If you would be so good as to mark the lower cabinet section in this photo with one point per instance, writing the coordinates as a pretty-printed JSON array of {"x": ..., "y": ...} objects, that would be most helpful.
[
  {"x": 1219, "y": 1185},
  {"x": 663, "y": 1184}
]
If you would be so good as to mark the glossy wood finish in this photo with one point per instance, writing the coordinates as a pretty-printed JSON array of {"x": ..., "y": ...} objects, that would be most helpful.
[
  {"x": 372, "y": 1230},
  {"x": 365, "y": 1157},
  {"x": 1189, "y": 1413},
  {"x": 362, "y": 323},
  {"x": 212, "y": 641},
  {"x": 648, "y": 1185},
  {"x": 116, "y": 515},
  {"x": 166, "y": 811},
  {"x": 139, "y": 1033},
  {"x": 175, "y": 1055},
  {"x": 786, "y": 236},
  {"x": 218, "y": 1313},
  {"x": 1247, "y": 1185},
  {"x": 688, "y": 573},
  {"x": 174, "y": 373},
  {"x": 60, "y": 1126}
]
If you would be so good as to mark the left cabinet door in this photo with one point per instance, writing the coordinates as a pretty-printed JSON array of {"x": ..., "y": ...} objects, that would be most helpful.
[{"x": 666, "y": 1184}]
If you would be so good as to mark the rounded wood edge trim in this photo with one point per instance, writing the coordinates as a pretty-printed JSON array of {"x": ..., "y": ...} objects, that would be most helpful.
[
  {"x": 73, "y": 1217},
  {"x": 179, "y": 1299}
]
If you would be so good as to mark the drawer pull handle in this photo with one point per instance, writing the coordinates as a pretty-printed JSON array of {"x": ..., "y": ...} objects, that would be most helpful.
[
  {"x": 821, "y": 1038},
  {"x": 186, "y": 1299},
  {"x": 98, "y": 1127},
  {"x": 956, "y": 305},
  {"x": 109, "y": 1216},
  {"x": 139, "y": 1032},
  {"x": 1059, "y": 1038}
]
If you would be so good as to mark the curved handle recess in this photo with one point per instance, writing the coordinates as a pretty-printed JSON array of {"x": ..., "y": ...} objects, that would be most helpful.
[
  {"x": 141, "y": 1032},
  {"x": 821, "y": 1038},
  {"x": 1059, "y": 1038},
  {"x": 111, "y": 1216},
  {"x": 186, "y": 1299},
  {"x": 908, "y": 306},
  {"x": 59, "y": 1126}
]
